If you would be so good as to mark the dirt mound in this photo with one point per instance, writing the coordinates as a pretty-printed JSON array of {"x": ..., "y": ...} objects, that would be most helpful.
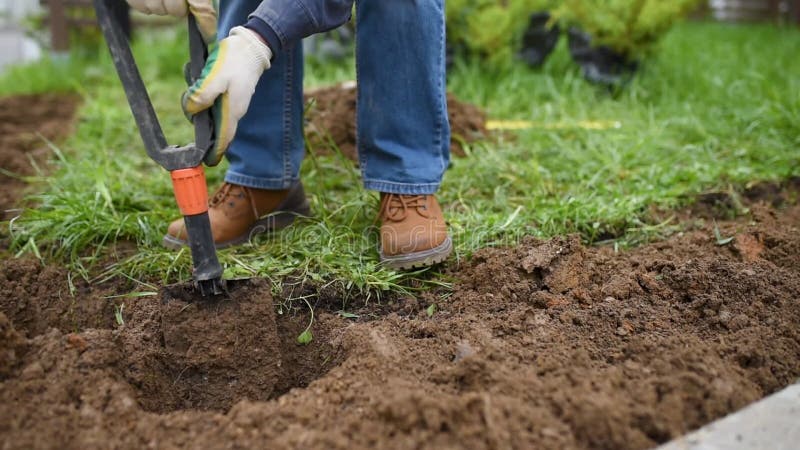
[
  {"x": 331, "y": 121},
  {"x": 175, "y": 352},
  {"x": 548, "y": 344},
  {"x": 24, "y": 120},
  {"x": 36, "y": 298}
]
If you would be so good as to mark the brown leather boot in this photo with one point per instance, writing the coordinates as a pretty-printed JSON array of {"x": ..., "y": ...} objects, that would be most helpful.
[
  {"x": 238, "y": 213},
  {"x": 413, "y": 231}
]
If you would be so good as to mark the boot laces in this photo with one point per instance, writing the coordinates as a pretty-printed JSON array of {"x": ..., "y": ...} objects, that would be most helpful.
[
  {"x": 396, "y": 206},
  {"x": 220, "y": 195},
  {"x": 224, "y": 192}
]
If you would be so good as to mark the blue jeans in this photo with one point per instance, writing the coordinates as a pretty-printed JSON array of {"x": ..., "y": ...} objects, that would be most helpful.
[{"x": 403, "y": 131}]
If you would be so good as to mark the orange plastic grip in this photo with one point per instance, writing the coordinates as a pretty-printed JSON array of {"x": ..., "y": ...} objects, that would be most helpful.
[{"x": 191, "y": 191}]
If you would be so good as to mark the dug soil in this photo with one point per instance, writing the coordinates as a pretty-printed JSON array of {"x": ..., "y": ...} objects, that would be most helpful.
[
  {"x": 331, "y": 121},
  {"x": 26, "y": 124},
  {"x": 549, "y": 344}
]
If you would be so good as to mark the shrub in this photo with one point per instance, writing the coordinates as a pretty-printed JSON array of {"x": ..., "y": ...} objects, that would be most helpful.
[
  {"x": 491, "y": 28},
  {"x": 630, "y": 27}
]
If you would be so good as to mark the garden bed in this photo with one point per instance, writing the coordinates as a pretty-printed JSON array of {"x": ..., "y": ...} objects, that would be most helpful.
[
  {"x": 540, "y": 344},
  {"x": 548, "y": 344}
]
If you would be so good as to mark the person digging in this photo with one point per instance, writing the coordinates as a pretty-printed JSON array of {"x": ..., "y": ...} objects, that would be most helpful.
[{"x": 254, "y": 81}]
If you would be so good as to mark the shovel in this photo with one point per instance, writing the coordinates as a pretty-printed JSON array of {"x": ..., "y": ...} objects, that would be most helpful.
[{"x": 184, "y": 163}]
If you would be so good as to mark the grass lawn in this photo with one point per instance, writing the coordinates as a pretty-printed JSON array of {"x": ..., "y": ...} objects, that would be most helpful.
[{"x": 717, "y": 107}]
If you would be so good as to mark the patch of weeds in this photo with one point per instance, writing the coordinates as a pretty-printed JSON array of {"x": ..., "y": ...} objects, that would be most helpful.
[
  {"x": 118, "y": 310},
  {"x": 306, "y": 336},
  {"x": 431, "y": 310},
  {"x": 347, "y": 315},
  {"x": 719, "y": 238}
]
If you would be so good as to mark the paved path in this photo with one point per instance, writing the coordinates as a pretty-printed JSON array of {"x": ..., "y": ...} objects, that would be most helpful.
[{"x": 770, "y": 424}]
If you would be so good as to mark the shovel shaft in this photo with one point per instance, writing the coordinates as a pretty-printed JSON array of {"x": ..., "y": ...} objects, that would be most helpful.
[
  {"x": 138, "y": 99},
  {"x": 191, "y": 195}
]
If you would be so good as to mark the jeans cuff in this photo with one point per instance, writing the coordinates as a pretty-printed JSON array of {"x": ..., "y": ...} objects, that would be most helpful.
[
  {"x": 267, "y": 33},
  {"x": 260, "y": 183},
  {"x": 391, "y": 187}
]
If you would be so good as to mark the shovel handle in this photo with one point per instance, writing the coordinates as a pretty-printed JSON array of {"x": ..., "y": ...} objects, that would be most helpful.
[
  {"x": 198, "y": 54},
  {"x": 138, "y": 99},
  {"x": 184, "y": 163}
]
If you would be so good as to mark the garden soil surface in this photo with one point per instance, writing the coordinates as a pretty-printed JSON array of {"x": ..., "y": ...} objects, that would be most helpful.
[
  {"x": 26, "y": 124},
  {"x": 549, "y": 344}
]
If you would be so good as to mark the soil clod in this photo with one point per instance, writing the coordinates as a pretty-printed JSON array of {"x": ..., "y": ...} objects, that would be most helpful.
[{"x": 331, "y": 122}]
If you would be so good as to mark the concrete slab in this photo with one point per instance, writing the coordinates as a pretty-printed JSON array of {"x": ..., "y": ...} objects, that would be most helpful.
[
  {"x": 16, "y": 48},
  {"x": 771, "y": 424}
]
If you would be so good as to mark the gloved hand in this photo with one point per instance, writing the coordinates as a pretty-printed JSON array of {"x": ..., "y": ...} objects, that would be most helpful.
[
  {"x": 204, "y": 11},
  {"x": 177, "y": 8},
  {"x": 228, "y": 82}
]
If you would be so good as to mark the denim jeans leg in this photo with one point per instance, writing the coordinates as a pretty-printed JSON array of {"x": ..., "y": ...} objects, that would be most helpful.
[
  {"x": 403, "y": 129},
  {"x": 268, "y": 147}
]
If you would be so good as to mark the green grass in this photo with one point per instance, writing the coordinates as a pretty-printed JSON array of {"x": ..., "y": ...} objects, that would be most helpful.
[{"x": 719, "y": 105}]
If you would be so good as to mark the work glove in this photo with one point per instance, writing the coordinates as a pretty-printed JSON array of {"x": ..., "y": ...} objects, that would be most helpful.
[
  {"x": 227, "y": 83},
  {"x": 204, "y": 11}
]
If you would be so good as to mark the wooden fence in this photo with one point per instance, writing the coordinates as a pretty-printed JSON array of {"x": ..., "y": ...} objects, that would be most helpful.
[
  {"x": 755, "y": 10},
  {"x": 65, "y": 15}
]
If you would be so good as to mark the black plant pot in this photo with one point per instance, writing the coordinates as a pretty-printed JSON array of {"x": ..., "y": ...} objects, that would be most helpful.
[
  {"x": 600, "y": 64},
  {"x": 539, "y": 40}
]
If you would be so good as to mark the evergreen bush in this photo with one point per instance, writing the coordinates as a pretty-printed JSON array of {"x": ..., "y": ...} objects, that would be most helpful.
[
  {"x": 492, "y": 29},
  {"x": 629, "y": 27}
]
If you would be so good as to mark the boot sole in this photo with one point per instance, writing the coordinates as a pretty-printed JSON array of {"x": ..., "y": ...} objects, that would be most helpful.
[
  {"x": 418, "y": 260},
  {"x": 269, "y": 224}
]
